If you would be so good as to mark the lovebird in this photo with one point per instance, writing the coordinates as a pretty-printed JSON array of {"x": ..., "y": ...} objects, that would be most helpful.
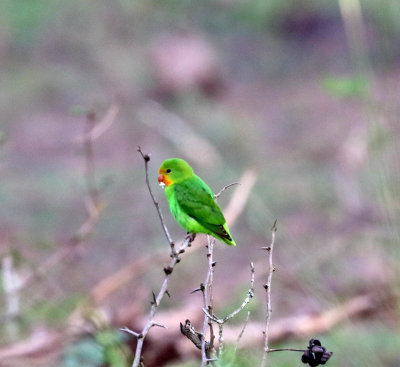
[{"x": 191, "y": 201}]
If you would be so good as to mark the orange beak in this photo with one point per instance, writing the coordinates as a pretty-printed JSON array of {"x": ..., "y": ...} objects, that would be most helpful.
[{"x": 160, "y": 178}]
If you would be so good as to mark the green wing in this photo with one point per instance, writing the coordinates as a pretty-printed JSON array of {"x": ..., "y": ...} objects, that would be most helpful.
[{"x": 196, "y": 199}]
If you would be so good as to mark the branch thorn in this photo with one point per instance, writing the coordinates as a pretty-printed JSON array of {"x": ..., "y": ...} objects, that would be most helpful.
[
  {"x": 201, "y": 288},
  {"x": 154, "y": 301}
]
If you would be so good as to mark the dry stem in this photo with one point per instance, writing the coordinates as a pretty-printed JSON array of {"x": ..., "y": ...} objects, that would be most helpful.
[
  {"x": 221, "y": 322},
  {"x": 239, "y": 338},
  {"x": 146, "y": 159},
  {"x": 216, "y": 196},
  {"x": 167, "y": 270},
  {"x": 128, "y": 272},
  {"x": 156, "y": 302},
  {"x": 208, "y": 304},
  {"x": 285, "y": 350},
  {"x": 267, "y": 287}
]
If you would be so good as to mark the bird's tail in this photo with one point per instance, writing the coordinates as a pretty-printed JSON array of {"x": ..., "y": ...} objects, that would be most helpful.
[{"x": 227, "y": 237}]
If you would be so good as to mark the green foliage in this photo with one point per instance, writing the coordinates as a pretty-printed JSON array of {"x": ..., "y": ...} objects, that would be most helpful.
[
  {"x": 24, "y": 17},
  {"x": 86, "y": 352},
  {"x": 371, "y": 344},
  {"x": 232, "y": 358},
  {"x": 105, "y": 349},
  {"x": 52, "y": 312},
  {"x": 345, "y": 87},
  {"x": 114, "y": 351},
  {"x": 259, "y": 12}
]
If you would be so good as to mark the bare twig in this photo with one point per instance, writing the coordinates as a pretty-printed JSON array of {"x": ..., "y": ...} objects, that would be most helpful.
[
  {"x": 285, "y": 350},
  {"x": 129, "y": 331},
  {"x": 242, "y": 331},
  {"x": 221, "y": 322},
  {"x": 208, "y": 304},
  {"x": 158, "y": 324},
  {"x": 224, "y": 188},
  {"x": 167, "y": 270},
  {"x": 103, "y": 125},
  {"x": 267, "y": 287},
  {"x": 127, "y": 273},
  {"x": 239, "y": 337},
  {"x": 45, "y": 342},
  {"x": 250, "y": 295},
  {"x": 154, "y": 304},
  {"x": 146, "y": 159}
]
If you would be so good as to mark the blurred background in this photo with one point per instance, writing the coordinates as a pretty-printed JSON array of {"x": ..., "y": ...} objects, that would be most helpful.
[{"x": 297, "y": 100}]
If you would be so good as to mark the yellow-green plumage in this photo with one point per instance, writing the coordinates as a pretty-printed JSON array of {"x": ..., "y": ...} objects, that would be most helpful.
[{"x": 192, "y": 202}]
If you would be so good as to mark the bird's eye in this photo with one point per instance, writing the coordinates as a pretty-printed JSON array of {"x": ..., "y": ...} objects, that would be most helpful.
[{"x": 168, "y": 170}]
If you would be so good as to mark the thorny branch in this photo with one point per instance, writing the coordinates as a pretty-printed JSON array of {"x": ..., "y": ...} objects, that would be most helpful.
[
  {"x": 197, "y": 338},
  {"x": 221, "y": 322},
  {"x": 267, "y": 287},
  {"x": 175, "y": 259},
  {"x": 42, "y": 345},
  {"x": 146, "y": 159},
  {"x": 128, "y": 272},
  {"x": 164, "y": 288},
  {"x": 208, "y": 305}
]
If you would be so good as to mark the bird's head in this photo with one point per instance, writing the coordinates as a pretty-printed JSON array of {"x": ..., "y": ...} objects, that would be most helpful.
[{"x": 174, "y": 170}]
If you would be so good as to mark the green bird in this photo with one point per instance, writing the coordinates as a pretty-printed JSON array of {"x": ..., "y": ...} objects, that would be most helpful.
[{"x": 191, "y": 201}]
